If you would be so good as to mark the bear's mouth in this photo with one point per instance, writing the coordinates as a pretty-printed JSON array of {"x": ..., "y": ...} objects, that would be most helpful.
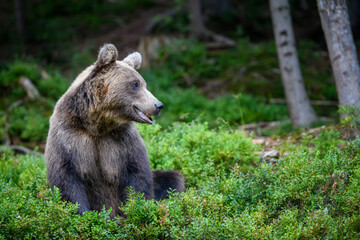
[{"x": 144, "y": 116}]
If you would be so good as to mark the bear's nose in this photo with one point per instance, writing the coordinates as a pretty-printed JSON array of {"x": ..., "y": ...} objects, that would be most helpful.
[{"x": 159, "y": 106}]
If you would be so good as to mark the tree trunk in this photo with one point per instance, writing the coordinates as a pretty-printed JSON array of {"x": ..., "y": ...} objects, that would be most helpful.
[
  {"x": 344, "y": 62},
  {"x": 197, "y": 26},
  {"x": 199, "y": 30},
  {"x": 20, "y": 16},
  {"x": 301, "y": 112}
]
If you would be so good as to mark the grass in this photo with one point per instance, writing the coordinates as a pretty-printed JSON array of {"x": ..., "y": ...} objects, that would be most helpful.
[{"x": 305, "y": 195}]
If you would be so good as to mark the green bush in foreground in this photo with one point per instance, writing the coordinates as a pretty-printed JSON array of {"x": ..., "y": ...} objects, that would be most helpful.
[
  {"x": 197, "y": 151},
  {"x": 306, "y": 195}
]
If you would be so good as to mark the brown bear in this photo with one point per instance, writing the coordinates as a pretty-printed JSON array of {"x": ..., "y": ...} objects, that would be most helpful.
[{"x": 94, "y": 151}]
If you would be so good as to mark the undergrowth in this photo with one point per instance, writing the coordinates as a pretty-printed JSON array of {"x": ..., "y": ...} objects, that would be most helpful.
[
  {"x": 240, "y": 81},
  {"x": 248, "y": 67},
  {"x": 182, "y": 79},
  {"x": 307, "y": 194},
  {"x": 197, "y": 151},
  {"x": 22, "y": 119},
  {"x": 27, "y": 122}
]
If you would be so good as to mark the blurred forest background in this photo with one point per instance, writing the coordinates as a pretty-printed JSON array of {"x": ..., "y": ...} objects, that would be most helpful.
[
  {"x": 231, "y": 74},
  {"x": 214, "y": 65}
]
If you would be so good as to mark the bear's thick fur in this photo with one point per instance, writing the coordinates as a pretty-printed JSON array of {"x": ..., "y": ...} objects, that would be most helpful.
[{"x": 94, "y": 151}]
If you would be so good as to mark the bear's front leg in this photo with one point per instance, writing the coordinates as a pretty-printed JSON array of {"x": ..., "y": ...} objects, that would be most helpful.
[
  {"x": 72, "y": 188},
  {"x": 139, "y": 178},
  {"x": 63, "y": 172}
]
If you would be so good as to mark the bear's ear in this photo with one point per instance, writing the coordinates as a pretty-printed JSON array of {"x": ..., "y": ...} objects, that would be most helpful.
[
  {"x": 134, "y": 60},
  {"x": 107, "y": 54}
]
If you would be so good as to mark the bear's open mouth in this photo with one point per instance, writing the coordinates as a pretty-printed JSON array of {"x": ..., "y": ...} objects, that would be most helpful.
[{"x": 144, "y": 116}]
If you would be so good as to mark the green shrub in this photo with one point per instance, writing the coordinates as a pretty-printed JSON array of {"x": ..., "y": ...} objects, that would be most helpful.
[
  {"x": 246, "y": 77},
  {"x": 326, "y": 140},
  {"x": 307, "y": 194},
  {"x": 29, "y": 121},
  {"x": 351, "y": 115},
  {"x": 188, "y": 104},
  {"x": 197, "y": 151},
  {"x": 53, "y": 86},
  {"x": 248, "y": 67},
  {"x": 304, "y": 196}
]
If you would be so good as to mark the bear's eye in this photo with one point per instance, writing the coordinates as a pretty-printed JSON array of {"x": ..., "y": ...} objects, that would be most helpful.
[{"x": 136, "y": 85}]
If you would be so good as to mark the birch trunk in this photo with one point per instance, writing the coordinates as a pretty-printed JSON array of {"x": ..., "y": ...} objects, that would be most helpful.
[
  {"x": 342, "y": 51},
  {"x": 301, "y": 112}
]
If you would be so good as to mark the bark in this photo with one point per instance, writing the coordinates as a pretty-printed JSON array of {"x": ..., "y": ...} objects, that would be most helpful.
[
  {"x": 301, "y": 112},
  {"x": 312, "y": 102},
  {"x": 199, "y": 30},
  {"x": 197, "y": 26},
  {"x": 20, "y": 16},
  {"x": 304, "y": 5},
  {"x": 342, "y": 51}
]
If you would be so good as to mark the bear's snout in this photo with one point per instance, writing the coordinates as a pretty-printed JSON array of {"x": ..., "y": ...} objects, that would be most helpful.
[{"x": 158, "y": 107}]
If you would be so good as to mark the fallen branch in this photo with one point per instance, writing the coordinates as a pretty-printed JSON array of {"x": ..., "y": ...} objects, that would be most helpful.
[
  {"x": 23, "y": 150},
  {"x": 252, "y": 126},
  {"x": 43, "y": 73},
  {"x": 33, "y": 95},
  {"x": 274, "y": 124},
  {"x": 312, "y": 102},
  {"x": 217, "y": 41},
  {"x": 30, "y": 89},
  {"x": 16, "y": 104}
]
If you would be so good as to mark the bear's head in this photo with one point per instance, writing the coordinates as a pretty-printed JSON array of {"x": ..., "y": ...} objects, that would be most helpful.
[
  {"x": 114, "y": 91},
  {"x": 126, "y": 88}
]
